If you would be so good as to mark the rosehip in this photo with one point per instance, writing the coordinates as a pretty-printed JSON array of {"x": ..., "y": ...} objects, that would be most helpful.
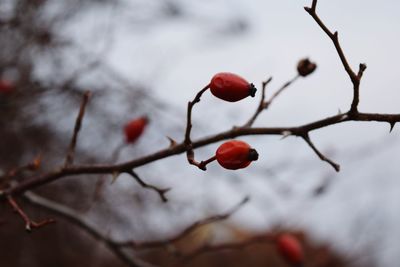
[
  {"x": 231, "y": 87},
  {"x": 134, "y": 129},
  {"x": 290, "y": 249},
  {"x": 6, "y": 87},
  {"x": 305, "y": 67},
  {"x": 235, "y": 155}
]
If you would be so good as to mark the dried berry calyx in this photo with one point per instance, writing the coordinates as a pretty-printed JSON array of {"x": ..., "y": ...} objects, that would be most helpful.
[
  {"x": 306, "y": 67},
  {"x": 235, "y": 155},
  {"x": 231, "y": 87}
]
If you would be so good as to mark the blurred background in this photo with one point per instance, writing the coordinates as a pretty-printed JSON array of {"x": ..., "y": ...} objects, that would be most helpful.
[{"x": 151, "y": 57}]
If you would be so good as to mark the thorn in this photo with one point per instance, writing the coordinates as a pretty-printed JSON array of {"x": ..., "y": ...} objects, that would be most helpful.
[
  {"x": 115, "y": 175},
  {"x": 339, "y": 111},
  {"x": 286, "y": 134},
  {"x": 392, "y": 124},
  {"x": 28, "y": 228},
  {"x": 172, "y": 142}
]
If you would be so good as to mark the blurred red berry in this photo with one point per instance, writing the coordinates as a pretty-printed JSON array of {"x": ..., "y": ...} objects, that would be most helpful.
[
  {"x": 6, "y": 87},
  {"x": 231, "y": 87},
  {"x": 235, "y": 155},
  {"x": 290, "y": 249},
  {"x": 134, "y": 129}
]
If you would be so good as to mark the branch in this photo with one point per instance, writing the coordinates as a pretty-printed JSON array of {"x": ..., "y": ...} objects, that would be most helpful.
[
  {"x": 71, "y": 150},
  {"x": 46, "y": 178},
  {"x": 188, "y": 141},
  {"x": 159, "y": 191},
  {"x": 261, "y": 106},
  {"x": 31, "y": 166},
  {"x": 306, "y": 138},
  {"x": 186, "y": 231},
  {"x": 29, "y": 224},
  {"x": 77, "y": 220},
  {"x": 355, "y": 78}
]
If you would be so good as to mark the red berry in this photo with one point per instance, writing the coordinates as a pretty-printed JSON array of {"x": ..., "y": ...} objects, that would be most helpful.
[
  {"x": 231, "y": 87},
  {"x": 235, "y": 155},
  {"x": 134, "y": 129},
  {"x": 290, "y": 249},
  {"x": 6, "y": 87}
]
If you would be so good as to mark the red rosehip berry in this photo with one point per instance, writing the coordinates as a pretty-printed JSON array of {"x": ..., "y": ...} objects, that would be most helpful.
[
  {"x": 6, "y": 87},
  {"x": 235, "y": 155},
  {"x": 290, "y": 249},
  {"x": 231, "y": 87},
  {"x": 134, "y": 129}
]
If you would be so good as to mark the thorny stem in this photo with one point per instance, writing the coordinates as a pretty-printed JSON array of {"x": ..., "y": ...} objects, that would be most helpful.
[
  {"x": 299, "y": 131},
  {"x": 355, "y": 78}
]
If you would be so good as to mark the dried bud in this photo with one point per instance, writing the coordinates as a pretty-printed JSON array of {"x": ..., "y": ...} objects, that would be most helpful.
[{"x": 306, "y": 67}]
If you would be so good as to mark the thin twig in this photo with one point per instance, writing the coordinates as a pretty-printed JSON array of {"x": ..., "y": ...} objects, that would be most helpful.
[
  {"x": 160, "y": 191},
  {"x": 188, "y": 141},
  {"x": 261, "y": 105},
  {"x": 29, "y": 224},
  {"x": 71, "y": 150},
  {"x": 77, "y": 220},
  {"x": 306, "y": 138},
  {"x": 186, "y": 231}
]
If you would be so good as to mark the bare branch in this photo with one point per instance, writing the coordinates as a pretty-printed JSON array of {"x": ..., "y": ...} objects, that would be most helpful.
[
  {"x": 160, "y": 192},
  {"x": 29, "y": 224},
  {"x": 46, "y": 178},
  {"x": 261, "y": 106},
  {"x": 71, "y": 150},
  {"x": 188, "y": 141},
  {"x": 77, "y": 220},
  {"x": 355, "y": 79},
  {"x": 186, "y": 231},
  {"x": 306, "y": 138}
]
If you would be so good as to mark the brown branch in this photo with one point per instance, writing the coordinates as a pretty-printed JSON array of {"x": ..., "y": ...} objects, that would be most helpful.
[
  {"x": 71, "y": 150},
  {"x": 29, "y": 224},
  {"x": 161, "y": 192},
  {"x": 355, "y": 78},
  {"x": 280, "y": 90},
  {"x": 261, "y": 105},
  {"x": 186, "y": 231},
  {"x": 188, "y": 141},
  {"x": 46, "y": 178},
  {"x": 306, "y": 138},
  {"x": 76, "y": 219}
]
